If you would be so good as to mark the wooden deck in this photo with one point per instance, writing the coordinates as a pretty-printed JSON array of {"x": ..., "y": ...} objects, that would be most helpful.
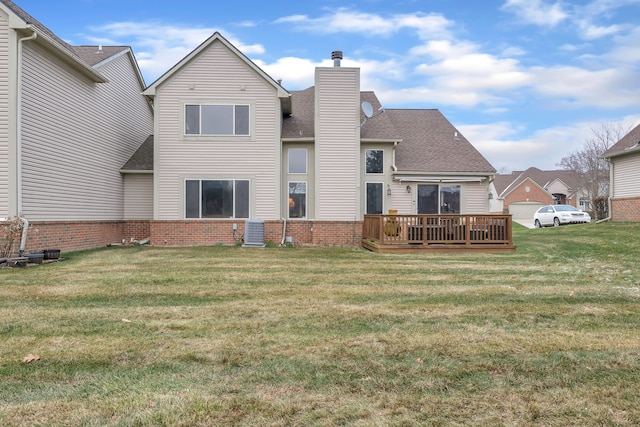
[{"x": 430, "y": 233}]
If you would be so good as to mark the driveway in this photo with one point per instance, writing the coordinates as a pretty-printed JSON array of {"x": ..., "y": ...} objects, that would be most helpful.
[{"x": 526, "y": 222}]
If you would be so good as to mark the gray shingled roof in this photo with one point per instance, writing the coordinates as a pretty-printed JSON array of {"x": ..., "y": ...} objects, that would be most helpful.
[
  {"x": 630, "y": 141},
  {"x": 431, "y": 144},
  {"x": 300, "y": 123},
  {"x": 428, "y": 140},
  {"x": 93, "y": 55},
  {"x": 81, "y": 53},
  {"x": 142, "y": 159}
]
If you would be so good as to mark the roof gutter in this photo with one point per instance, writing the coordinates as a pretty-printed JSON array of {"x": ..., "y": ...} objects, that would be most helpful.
[
  {"x": 440, "y": 179},
  {"x": 70, "y": 57}
]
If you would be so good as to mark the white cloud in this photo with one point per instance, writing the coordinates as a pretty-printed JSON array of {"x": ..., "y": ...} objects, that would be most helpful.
[
  {"x": 295, "y": 73},
  {"x": 459, "y": 73},
  {"x": 608, "y": 88},
  {"x": 536, "y": 12},
  {"x": 509, "y": 147},
  {"x": 346, "y": 20},
  {"x": 625, "y": 50}
]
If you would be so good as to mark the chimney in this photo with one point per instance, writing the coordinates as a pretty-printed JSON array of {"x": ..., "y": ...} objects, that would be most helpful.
[{"x": 336, "y": 55}]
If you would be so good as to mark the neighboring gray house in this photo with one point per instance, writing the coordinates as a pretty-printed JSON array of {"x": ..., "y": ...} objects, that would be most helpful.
[
  {"x": 70, "y": 117},
  {"x": 231, "y": 144},
  {"x": 624, "y": 172}
]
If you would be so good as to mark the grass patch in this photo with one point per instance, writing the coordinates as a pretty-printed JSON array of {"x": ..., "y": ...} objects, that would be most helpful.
[{"x": 144, "y": 336}]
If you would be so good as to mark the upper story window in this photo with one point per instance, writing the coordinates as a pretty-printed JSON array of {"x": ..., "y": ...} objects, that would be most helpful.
[
  {"x": 216, "y": 119},
  {"x": 297, "y": 160},
  {"x": 374, "y": 161}
]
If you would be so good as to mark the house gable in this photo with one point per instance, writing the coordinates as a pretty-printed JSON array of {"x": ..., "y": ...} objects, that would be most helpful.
[
  {"x": 214, "y": 74},
  {"x": 217, "y": 37}
]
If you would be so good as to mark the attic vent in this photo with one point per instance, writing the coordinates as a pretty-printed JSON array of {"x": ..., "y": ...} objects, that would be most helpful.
[{"x": 254, "y": 233}]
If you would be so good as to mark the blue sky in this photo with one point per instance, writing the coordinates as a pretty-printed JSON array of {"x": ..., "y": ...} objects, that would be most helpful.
[{"x": 524, "y": 80}]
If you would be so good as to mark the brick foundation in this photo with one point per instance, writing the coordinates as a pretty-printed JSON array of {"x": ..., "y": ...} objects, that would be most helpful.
[
  {"x": 70, "y": 235},
  {"x": 302, "y": 233},
  {"x": 625, "y": 210},
  {"x": 73, "y": 236}
]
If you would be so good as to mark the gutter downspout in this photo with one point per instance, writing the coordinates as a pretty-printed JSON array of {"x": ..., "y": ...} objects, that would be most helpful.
[
  {"x": 393, "y": 157},
  {"x": 609, "y": 209},
  {"x": 23, "y": 240},
  {"x": 608, "y": 218},
  {"x": 33, "y": 36},
  {"x": 284, "y": 231}
]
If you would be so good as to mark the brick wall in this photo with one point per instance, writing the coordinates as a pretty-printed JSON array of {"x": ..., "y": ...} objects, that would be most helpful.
[
  {"x": 535, "y": 194},
  {"x": 625, "y": 210},
  {"x": 72, "y": 236},
  {"x": 199, "y": 233}
]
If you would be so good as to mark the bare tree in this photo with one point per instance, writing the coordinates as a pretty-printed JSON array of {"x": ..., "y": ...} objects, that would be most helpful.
[{"x": 587, "y": 161}]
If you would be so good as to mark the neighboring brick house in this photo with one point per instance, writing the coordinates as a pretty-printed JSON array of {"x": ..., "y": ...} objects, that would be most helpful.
[
  {"x": 521, "y": 193},
  {"x": 231, "y": 144},
  {"x": 70, "y": 117},
  {"x": 624, "y": 172}
]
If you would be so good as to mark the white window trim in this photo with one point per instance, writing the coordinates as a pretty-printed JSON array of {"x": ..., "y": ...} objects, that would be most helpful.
[
  {"x": 365, "y": 161},
  {"x": 183, "y": 195},
  {"x": 306, "y": 198},
  {"x": 306, "y": 161},
  {"x": 366, "y": 195},
  {"x": 214, "y": 137}
]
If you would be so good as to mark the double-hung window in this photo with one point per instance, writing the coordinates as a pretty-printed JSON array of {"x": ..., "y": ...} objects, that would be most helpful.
[
  {"x": 216, "y": 119},
  {"x": 217, "y": 198}
]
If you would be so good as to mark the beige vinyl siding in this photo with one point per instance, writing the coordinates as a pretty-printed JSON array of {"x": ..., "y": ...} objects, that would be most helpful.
[
  {"x": 474, "y": 198},
  {"x": 626, "y": 176},
  {"x": 400, "y": 199},
  {"x": 337, "y": 144},
  {"x": 217, "y": 76},
  {"x": 77, "y": 134},
  {"x": 4, "y": 116},
  {"x": 138, "y": 196}
]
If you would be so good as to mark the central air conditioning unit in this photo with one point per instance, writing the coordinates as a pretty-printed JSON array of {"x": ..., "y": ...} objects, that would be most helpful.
[{"x": 254, "y": 233}]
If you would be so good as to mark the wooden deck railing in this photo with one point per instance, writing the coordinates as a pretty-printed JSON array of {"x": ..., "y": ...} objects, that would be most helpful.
[{"x": 464, "y": 230}]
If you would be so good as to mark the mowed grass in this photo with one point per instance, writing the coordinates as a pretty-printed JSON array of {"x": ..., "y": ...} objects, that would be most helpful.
[{"x": 140, "y": 336}]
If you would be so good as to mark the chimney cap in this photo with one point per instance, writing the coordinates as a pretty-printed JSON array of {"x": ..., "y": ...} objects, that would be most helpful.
[{"x": 336, "y": 54}]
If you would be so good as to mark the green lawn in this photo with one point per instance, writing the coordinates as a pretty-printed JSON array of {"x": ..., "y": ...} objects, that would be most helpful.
[{"x": 548, "y": 335}]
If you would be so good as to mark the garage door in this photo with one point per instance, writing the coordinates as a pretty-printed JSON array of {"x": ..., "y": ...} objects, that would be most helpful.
[{"x": 522, "y": 212}]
